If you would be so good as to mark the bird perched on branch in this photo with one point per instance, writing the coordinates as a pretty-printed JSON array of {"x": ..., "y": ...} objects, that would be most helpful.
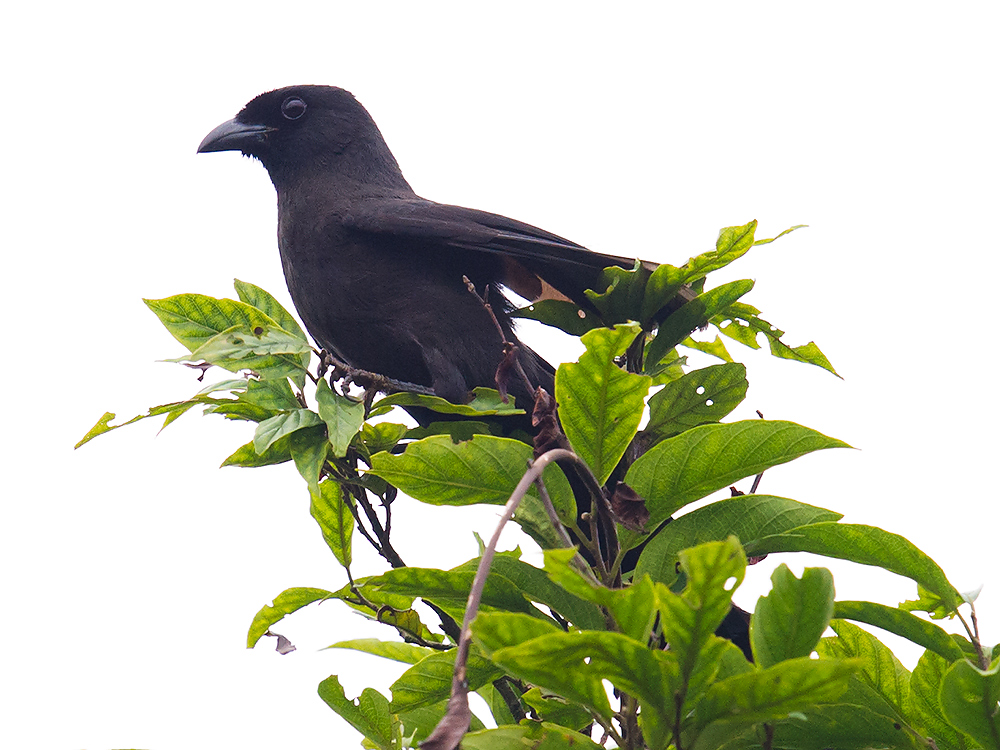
[{"x": 375, "y": 271}]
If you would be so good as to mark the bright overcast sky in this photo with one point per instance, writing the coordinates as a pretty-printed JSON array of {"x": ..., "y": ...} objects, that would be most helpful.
[{"x": 132, "y": 568}]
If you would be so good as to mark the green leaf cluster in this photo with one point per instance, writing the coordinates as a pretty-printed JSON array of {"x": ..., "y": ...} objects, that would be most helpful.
[{"x": 615, "y": 640}]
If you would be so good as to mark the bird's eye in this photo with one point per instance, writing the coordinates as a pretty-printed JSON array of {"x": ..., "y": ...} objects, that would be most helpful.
[{"x": 293, "y": 108}]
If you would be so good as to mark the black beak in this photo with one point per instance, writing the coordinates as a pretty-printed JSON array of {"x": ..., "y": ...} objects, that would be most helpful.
[{"x": 234, "y": 136}]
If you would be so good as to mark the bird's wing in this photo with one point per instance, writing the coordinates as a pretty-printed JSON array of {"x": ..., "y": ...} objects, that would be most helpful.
[{"x": 538, "y": 264}]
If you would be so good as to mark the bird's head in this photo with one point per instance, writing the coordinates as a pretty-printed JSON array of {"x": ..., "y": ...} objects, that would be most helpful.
[{"x": 297, "y": 131}]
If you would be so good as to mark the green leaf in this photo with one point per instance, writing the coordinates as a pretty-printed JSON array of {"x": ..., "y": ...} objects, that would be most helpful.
[
  {"x": 689, "y": 619},
  {"x": 429, "y": 680},
  {"x": 866, "y": 545},
  {"x": 485, "y": 469},
  {"x": 574, "y": 664},
  {"x": 841, "y": 726},
  {"x": 193, "y": 319},
  {"x": 600, "y": 405},
  {"x": 485, "y": 402},
  {"x": 633, "y": 608},
  {"x": 621, "y": 300},
  {"x": 263, "y": 301},
  {"x": 531, "y": 735},
  {"x": 285, "y": 603},
  {"x": 773, "y": 693},
  {"x": 678, "y": 326},
  {"x": 309, "y": 450},
  {"x": 538, "y": 587},
  {"x": 704, "y": 459},
  {"x": 234, "y": 347},
  {"x": 566, "y": 316},
  {"x": 247, "y": 456},
  {"x": 666, "y": 280},
  {"x": 178, "y": 407},
  {"x": 343, "y": 417},
  {"x": 369, "y": 713},
  {"x": 748, "y": 517},
  {"x": 335, "y": 519},
  {"x": 970, "y": 701},
  {"x": 887, "y": 680},
  {"x": 406, "y": 653},
  {"x": 272, "y": 395},
  {"x": 789, "y": 621},
  {"x": 382, "y": 436},
  {"x": 903, "y": 624},
  {"x": 699, "y": 397},
  {"x": 557, "y": 710},
  {"x": 923, "y": 704},
  {"x": 496, "y": 630},
  {"x": 778, "y": 236},
  {"x": 929, "y": 602},
  {"x": 275, "y": 428},
  {"x": 714, "y": 348},
  {"x": 449, "y": 589},
  {"x": 743, "y": 323}
]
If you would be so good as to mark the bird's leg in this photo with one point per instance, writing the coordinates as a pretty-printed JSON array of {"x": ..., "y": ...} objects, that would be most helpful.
[{"x": 340, "y": 370}]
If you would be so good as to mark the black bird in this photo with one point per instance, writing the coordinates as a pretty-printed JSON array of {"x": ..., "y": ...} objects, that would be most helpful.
[{"x": 375, "y": 271}]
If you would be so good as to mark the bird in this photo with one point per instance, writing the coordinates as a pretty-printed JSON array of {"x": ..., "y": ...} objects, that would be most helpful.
[{"x": 376, "y": 271}]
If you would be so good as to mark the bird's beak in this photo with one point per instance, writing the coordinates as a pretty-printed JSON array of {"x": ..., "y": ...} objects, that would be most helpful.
[{"x": 234, "y": 136}]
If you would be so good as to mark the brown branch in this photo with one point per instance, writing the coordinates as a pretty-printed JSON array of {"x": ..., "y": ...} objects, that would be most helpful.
[{"x": 449, "y": 731}]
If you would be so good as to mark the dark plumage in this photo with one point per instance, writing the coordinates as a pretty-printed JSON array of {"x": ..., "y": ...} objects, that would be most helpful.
[{"x": 374, "y": 270}]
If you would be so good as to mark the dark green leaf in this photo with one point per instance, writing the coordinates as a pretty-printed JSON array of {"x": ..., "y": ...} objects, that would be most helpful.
[
  {"x": 679, "y": 325},
  {"x": 699, "y": 397},
  {"x": 704, "y": 459},
  {"x": 788, "y": 622},
  {"x": 557, "y": 710},
  {"x": 566, "y": 316},
  {"x": 429, "y": 680},
  {"x": 903, "y": 624},
  {"x": 667, "y": 280},
  {"x": 485, "y": 469},
  {"x": 621, "y": 300},
  {"x": 285, "y": 603},
  {"x": 600, "y": 405},
  {"x": 748, "y": 517},
  {"x": 309, "y": 451},
  {"x": 866, "y": 545},
  {"x": 485, "y": 402},
  {"x": 496, "y": 630},
  {"x": 633, "y": 608},
  {"x": 538, "y": 587},
  {"x": 449, "y": 589}
]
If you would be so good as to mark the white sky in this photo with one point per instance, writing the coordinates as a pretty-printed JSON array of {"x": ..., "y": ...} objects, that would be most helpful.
[{"x": 132, "y": 568}]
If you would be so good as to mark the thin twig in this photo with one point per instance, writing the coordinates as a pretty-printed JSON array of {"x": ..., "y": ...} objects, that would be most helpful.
[
  {"x": 448, "y": 732},
  {"x": 503, "y": 335}
]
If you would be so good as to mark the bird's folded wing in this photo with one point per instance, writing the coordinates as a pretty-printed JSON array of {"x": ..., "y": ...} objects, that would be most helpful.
[{"x": 538, "y": 264}]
